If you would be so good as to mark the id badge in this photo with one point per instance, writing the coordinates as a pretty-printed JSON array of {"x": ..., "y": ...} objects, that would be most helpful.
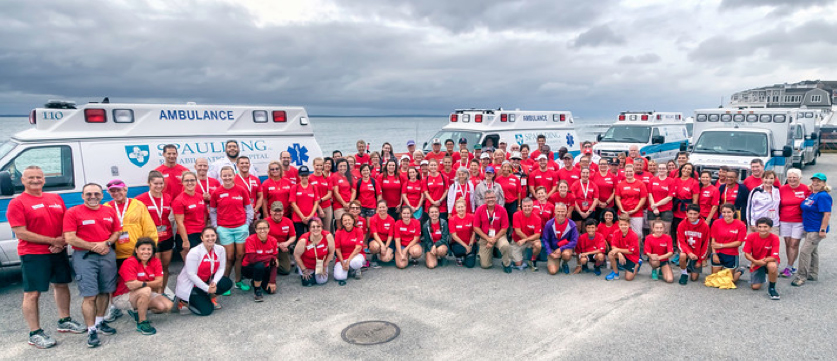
[
  {"x": 491, "y": 232},
  {"x": 161, "y": 229},
  {"x": 523, "y": 181},
  {"x": 123, "y": 238},
  {"x": 585, "y": 204},
  {"x": 319, "y": 269}
]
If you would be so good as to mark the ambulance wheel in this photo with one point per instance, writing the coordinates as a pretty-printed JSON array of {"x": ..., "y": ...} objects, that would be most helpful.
[
  {"x": 797, "y": 165},
  {"x": 813, "y": 161}
]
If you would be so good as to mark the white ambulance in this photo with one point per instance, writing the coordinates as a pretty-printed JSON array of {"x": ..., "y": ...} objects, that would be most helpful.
[
  {"x": 97, "y": 142},
  {"x": 488, "y": 126},
  {"x": 806, "y": 143},
  {"x": 658, "y": 135},
  {"x": 734, "y": 137}
]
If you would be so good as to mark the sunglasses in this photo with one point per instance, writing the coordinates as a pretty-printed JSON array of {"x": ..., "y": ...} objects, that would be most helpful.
[{"x": 93, "y": 195}]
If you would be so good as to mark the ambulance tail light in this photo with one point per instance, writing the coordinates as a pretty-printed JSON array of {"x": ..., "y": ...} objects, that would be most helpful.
[
  {"x": 123, "y": 116},
  {"x": 644, "y": 117},
  {"x": 478, "y": 118},
  {"x": 504, "y": 118},
  {"x": 32, "y": 118},
  {"x": 280, "y": 116},
  {"x": 260, "y": 116},
  {"x": 563, "y": 117},
  {"x": 454, "y": 118},
  {"x": 94, "y": 115},
  {"x": 622, "y": 117}
]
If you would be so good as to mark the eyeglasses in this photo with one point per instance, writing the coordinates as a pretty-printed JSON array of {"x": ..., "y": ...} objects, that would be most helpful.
[
  {"x": 190, "y": 180},
  {"x": 354, "y": 207},
  {"x": 93, "y": 195},
  {"x": 273, "y": 169}
]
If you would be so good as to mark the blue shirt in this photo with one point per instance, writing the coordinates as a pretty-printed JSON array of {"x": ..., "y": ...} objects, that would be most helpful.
[{"x": 813, "y": 209}]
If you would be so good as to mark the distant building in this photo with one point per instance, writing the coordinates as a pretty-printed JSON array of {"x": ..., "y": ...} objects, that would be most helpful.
[{"x": 814, "y": 94}]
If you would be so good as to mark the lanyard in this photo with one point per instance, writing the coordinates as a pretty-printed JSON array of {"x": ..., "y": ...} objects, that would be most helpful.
[
  {"x": 205, "y": 190},
  {"x": 212, "y": 259},
  {"x": 458, "y": 189},
  {"x": 490, "y": 217},
  {"x": 247, "y": 184},
  {"x": 159, "y": 209},
  {"x": 585, "y": 190},
  {"x": 121, "y": 214}
]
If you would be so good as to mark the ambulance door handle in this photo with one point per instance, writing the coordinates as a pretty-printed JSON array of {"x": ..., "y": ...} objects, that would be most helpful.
[{"x": 114, "y": 171}]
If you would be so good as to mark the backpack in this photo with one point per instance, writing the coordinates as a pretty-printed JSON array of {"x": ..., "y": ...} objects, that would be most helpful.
[{"x": 374, "y": 185}]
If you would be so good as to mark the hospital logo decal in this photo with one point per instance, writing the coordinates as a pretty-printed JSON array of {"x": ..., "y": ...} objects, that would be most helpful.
[
  {"x": 137, "y": 154},
  {"x": 519, "y": 139},
  {"x": 299, "y": 154},
  {"x": 570, "y": 140}
]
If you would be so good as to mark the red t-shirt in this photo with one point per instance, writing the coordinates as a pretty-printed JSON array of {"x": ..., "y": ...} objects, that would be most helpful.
[
  {"x": 449, "y": 175},
  {"x": 437, "y": 156},
  {"x": 252, "y": 185},
  {"x": 172, "y": 177},
  {"x": 413, "y": 191},
  {"x": 528, "y": 225},
  {"x": 585, "y": 244},
  {"x": 305, "y": 199},
  {"x": 160, "y": 217},
  {"x": 729, "y": 195},
  {"x": 606, "y": 184},
  {"x": 629, "y": 242},
  {"x": 283, "y": 230},
  {"x": 539, "y": 178},
  {"x": 278, "y": 191},
  {"x": 693, "y": 238},
  {"x": 231, "y": 206},
  {"x": 347, "y": 241},
  {"x": 789, "y": 208},
  {"x": 685, "y": 189},
  {"x": 708, "y": 197},
  {"x": 209, "y": 185},
  {"x": 361, "y": 225},
  {"x": 437, "y": 187},
  {"x": 390, "y": 189},
  {"x": 91, "y": 225},
  {"x": 321, "y": 184},
  {"x": 753, "y": 182},
  {"x": 568, "y": 199},
  {"x": 406, "y": 232},
  {"x": 41, "y": 215},
  {"x": 133, "y": 270},
  {"x": 314, "y": 252},
  {"x": 254, "y": 245},
  {"x": 344, "y": 189},
  {"x": 658, "y": 245},
  {"x": 727, "y": 233},
  {"x": 462, "y": 227},
  {"x": 511, "y": 188},
  {"x": 571, "y": 175},
  {"x": 382, "y": 227},
  {"x": 361, "y": 159},
  {"x": 368, "y": 194},
  {"x": 209, "y": 266},
  {"x": 630, "y": 195},
  {"x": 291, "y": 174},
  {"x": 761, "y": 248},
  {"x": 645, "y": 177},
  {"x": 193, "y": 209},
  {"x": 584, "y": 192},
  {"x": 607, "y": 231},
  {"x": 435, "y": 232},
  {"x": 544, "y": 210},
  {"x": 659, "y": 189}
]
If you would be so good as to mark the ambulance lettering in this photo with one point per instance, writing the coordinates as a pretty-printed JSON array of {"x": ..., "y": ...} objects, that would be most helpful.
[{"x": 175, "y": 114}]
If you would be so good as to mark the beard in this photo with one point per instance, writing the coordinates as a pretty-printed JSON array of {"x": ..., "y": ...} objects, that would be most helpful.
[{"x": 232, "y": 154}]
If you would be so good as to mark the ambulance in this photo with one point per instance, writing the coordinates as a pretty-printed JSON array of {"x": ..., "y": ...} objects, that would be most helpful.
[
  {"x": 658, "y": 135},
  {"x": 805, "y": 127},
  {"x": 734, "y": 137},
  {"x": 97, "y": 142},
  {"x": 489, "y": 126}
]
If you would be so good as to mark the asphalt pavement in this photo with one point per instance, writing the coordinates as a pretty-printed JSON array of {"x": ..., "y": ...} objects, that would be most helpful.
[{"x": 455, "y": 313}]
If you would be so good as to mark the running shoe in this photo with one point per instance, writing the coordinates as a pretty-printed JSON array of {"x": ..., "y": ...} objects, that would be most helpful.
[
  {"x": 359, "y": 274},
  {"x": 375, "y": 265},
  {"x": 216, "y": 304},
  {"x": 532, "y": 265},
  {"x": 597, "y": 271},
  {"x": 459, "y": 261},
  {"x": 585, "y": 269},
  {"x": 366, "y": 265},
  {"x": 258, "y": 297},
  {"x": 675, "y": 259},
  {"x": 41, "y": 340},
  {"x": 507, "y": 269},
  {"x": 684, "y": 279},
  {"x": 134, "y": 315},
  {"x": 565, "y": 268},
  {"x": 71, "y": 326},
  {"x": 786, "y": 272},
  {"x": 113, "y": 314},
  {"x": 612, "y": 276},
  {"x": 182, "y": 308},
  {"x": 341, "y": 282},
  {"x": 145, "y": 328},
  {"x": 351, "y": 273},
  {"x": 414, "y": 262},
  {"x": 93, "y": 339},
  {"x": 229, "y": 292},
  {"x": 105, "y": 329},
  {"x": 654, "y": 275},
  {"x": 773, "y": 294},
  {"x": 242, "y": 286}
]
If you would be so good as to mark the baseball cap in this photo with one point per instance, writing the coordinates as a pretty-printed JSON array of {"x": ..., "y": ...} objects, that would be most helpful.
[
  {"x": 463, "y": 141},
  {"x": 567, "y": 156},
  {"x": 404, "y": 156},
  {"x": 819, "y": 176},
  {"x": 477, "y": 146},
  {"x": 485, "y": 156},
  {"x": 277, "y": 206},
  {"x": 424, "y": 162},
  {"x": 542, "y": 156},
  {"x": 489, "y": 169},
  {"x": 116, "y": 183},
  {"x": 437, "y": 141},
  {"x": 516, "y": 155},
  {"x": 490, "y": 149},
  {"x": 503, "y": 141},
  {"x": 411, "y": 142},
  {"x": 304, "y": 170}
]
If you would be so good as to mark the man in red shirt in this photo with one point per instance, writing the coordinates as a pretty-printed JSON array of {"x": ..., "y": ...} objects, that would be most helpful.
[
  {"x": 542, "y": 177},
  {"x": 35, "y": 218},
  {"x": 361, "y": 157},
  {"x": 762, "y": 250},
  {"x": 527, "y": 234},
  {"x": 436, "y": 152},
  {"x": 756, "y": 172},
  {"x": 282, "y": 228},
  {"x": 491, "y": 223},
  {"x": 288, "y": 171},
  {"x": 92, "y": 229},
  {"x": 538, "y": 150},
  {"x": 590, "y": 248},
  {"x": 568, "y": 172},
  {"x": 693, "y": 241},
  {"x": 172, "y": 171},
  {"x": 249, "y": 182}
]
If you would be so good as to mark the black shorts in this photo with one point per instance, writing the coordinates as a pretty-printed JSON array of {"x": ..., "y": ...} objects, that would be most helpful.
[
  {"x": 194, "y": 241},
  {"x": 726, "y": 261},
  {"x": 576, "y": 217},
  {"x": 591, "y": 259},
  {"x": 39, "y": 270},
  {"x": 367, "y": 212},
  {"x": 693, "y": 266},
  {"x": 165, "y": 245},
  {"x": 665, "y": 216},
  {"x": 630, "y": 266}
]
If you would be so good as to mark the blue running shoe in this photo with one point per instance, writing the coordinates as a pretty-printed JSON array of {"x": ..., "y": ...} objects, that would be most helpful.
[{"x": 612, "y": 276}]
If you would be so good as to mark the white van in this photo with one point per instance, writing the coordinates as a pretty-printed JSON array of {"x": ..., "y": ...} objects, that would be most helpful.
[
  {"x": 658, "y": 135},
  {"x": 806, "y": 143},
  {"x": 488, "y": 126},
  {"x": 97, "y": 142},
  {"x": 734, "y": 137}
]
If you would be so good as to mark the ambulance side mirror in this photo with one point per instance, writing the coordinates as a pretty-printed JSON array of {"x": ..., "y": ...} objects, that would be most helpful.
[
  {"x": 684, "y": 146},
  {"x": 787, "y": 151},
  {"x": 658, "y": 139},
  {"x": 813, "y": 136},
  {"x": 6, "y": 187},
  {"x": 599, "y": 137}
]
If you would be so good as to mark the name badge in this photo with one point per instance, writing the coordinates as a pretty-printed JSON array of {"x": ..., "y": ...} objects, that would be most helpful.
[
  {"x": 161, "y": 229},
  {"x": 491, "y": 232},
  {"x": 123, "y": 238}
]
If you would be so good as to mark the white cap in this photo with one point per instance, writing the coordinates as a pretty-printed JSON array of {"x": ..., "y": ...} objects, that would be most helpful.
[
  {"x": 542, "y": 156},
  {"x": 437, "y": 141},
  {"x": 404, "y": 156},
  {"x": 424, "y": 162},
  {"x": 503, "y": 141},
  {"x": 516, "y": 155},
  {"x": 485, "y": 156}
]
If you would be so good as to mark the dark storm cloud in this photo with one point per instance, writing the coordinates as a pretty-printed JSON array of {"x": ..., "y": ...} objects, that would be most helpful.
[
  {"x": 598, "y": 36},
  {"x": 648, "y": 58}
]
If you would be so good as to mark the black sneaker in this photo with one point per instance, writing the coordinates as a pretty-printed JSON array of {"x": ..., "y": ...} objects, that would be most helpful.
[
  {"x": 259, "y": 297},
  {"x": 93, "y": 339},
  {"x": 684, "y": 279},
  {"x": 773, "y": 294},
  {"x": 507, "y": 269},
  {"x": 105, "y": 329}
]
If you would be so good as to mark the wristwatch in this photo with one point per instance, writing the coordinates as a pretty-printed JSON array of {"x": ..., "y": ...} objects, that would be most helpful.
[
  {"x": 822, "y": 230},
  {"x": 144, "y": 284}
]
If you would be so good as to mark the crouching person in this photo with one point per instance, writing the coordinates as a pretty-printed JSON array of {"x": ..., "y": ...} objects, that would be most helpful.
[
  {"x": 138, "y": 276},
  {"x": 624, "y": 250},
  {"x": 762, "y": 249}
]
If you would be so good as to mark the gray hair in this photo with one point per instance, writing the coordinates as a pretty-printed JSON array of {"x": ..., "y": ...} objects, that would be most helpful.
[{"x": 795, "y": 171}]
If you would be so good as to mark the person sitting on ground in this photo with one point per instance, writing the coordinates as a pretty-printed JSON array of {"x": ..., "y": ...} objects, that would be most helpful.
[
  {"x": 138, "y": 277},
  {"x": 761, "y": 248},
  {"x": 313, "y": 252},
  {"x": 658, "y": 248},
  {"x": 202, "y": 278}
]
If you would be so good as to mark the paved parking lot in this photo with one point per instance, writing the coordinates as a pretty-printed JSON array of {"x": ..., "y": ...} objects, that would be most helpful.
[{"x": 458, "y": 313}]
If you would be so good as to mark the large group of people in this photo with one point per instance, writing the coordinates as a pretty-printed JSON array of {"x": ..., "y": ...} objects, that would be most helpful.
[{"x": 360, "y": 210}]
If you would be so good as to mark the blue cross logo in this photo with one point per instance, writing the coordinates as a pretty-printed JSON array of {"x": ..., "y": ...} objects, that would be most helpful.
[
  {"x": 137, "y": 154},
  {"x": 570, "y": 140},
  {"x": 299, "y": 154}
]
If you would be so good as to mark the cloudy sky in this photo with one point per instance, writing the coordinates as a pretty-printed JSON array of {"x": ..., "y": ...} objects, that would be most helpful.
[{"x": 411, "y": 57}]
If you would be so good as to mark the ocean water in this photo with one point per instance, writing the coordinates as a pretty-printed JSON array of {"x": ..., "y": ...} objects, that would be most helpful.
[{"x": 343, "y": 133}]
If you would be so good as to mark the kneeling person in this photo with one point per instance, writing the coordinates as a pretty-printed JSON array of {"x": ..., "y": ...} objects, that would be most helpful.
[
  {"x": 527, "y": 234},
  {"x": 624, "y": 250},
  {"x": 658, "y": 248},
  {"x": 693, "y": 241},
  {"x": 138, "y": 277},
  {"x": 491, "y": 223},
  {"x": 727, "y": 234},
  {"x": 260, "y": 260},
  {"x": 591, "y": 248},
  {"x": 762, "y": 249},
  {"x": 559, "y": 239}
]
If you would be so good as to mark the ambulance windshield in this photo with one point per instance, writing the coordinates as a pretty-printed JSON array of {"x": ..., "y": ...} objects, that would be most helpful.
[
  {"x": 627, "y": 134},
  {"x": 6, "y": 147},
  {"x": 732, "y": 143},
  {"x": 455, "y": 135}
]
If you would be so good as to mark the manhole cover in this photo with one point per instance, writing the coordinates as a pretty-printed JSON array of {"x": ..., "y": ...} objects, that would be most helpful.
[{"x": 370, "y": 332}]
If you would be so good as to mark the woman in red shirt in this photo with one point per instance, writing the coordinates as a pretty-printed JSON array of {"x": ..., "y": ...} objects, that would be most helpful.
[
  {"x": 231, "y": 212},
  {"x": 411, "y": 195},
  {"x": 708, "y": 197},
  {"x": 313, "y": 252},
  {"x": 381, "y": 227},
  {"x": 435, "y": 190},
  {"x": 790, "y": 217},
  {"x": 139, "y": 276},
  {"x": 586, "y": 195},
  {"x": 159, "y": 207},
  {"x": 563, "y": 195},
  {"x": 542, "y": 205},
  {"x": 304, "y": 202},
  {"x": 189, "y": 211},
  {"x": 687, "y": 190},
  {"x": 366, "y": 191},
  {"x": 727, "y": 235},
  {"x": 276, "y": 188},
  {"x": 341, "y": 188},
  {"x": 260, "y": 260},
  {"x": 609, "y": 224},
  {"x": 406, "y": 238},
  {"x": 374, "y": 164},
  {"x": 475, "y": 174},
  {"x": 660, "y": 195},
  {"x": 631, "y": 196},
  {"x": 348, "y": 247},
  {"x": 605, "y": 181},
  {"x": 390, "y": 184},
  {"x": 510, "y": 184},
  {"x": 322, "y": 185},
  {"x": 461, "y": 229}
]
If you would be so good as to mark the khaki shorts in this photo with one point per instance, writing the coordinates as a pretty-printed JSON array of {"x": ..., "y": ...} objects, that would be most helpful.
[
  {"x": 517, "y": 251},
  {"x": 123, "y": 301}
]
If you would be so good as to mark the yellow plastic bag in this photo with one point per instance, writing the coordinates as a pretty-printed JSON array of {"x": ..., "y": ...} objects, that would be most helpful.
[{"x": 722, "y": 280}]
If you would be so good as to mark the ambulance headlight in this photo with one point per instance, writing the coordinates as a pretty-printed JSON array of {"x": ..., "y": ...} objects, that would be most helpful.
[
  {"x": 303, "y": 120},
  {"x": 260, "y": 116},
  {"x": 123, "y": 116}
]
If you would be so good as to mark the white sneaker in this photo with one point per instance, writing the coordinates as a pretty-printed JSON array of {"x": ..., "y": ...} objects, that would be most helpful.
[{"x": 113, "y": 314}]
